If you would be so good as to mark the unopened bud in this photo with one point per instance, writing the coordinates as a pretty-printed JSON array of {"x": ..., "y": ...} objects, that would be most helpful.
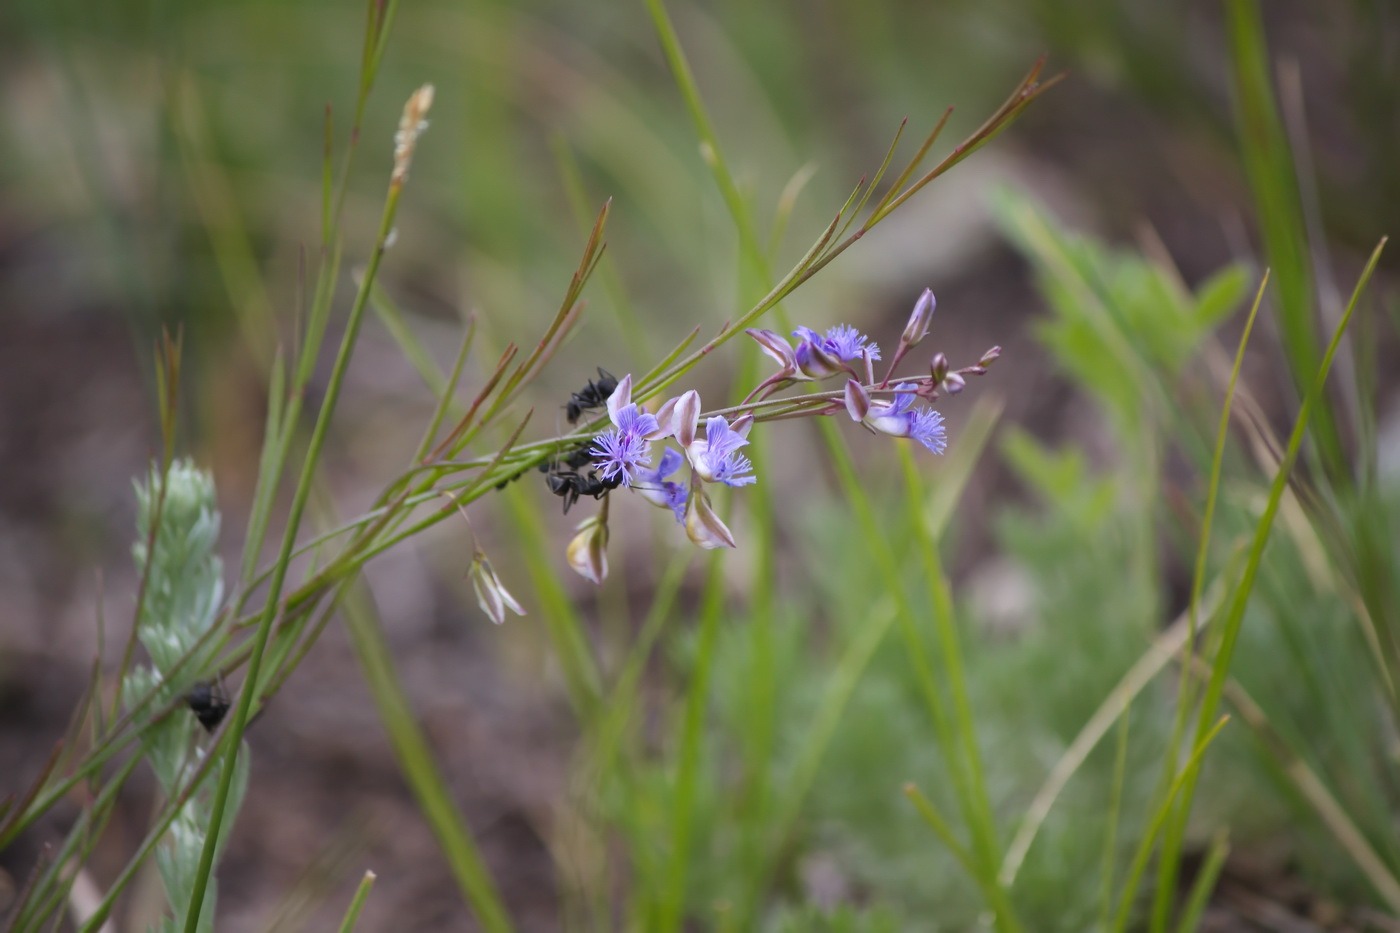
[
  {"x": 919, "y": 319},
  {"x": 493, "y": 598},
  {"x": 954, "y": 383},
  {"x": 775, "y": 345},
  {"x": 989, "y": 357},
  {"x": 588, "y": 551},
  {"x": 939, "y": 367},
  {"x": 702, "y": 525}
]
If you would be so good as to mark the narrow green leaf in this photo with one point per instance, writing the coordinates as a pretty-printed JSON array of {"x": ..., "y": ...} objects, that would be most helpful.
[{"x": 417, "y": 762}]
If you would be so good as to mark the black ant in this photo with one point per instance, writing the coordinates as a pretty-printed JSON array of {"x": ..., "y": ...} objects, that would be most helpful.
[
  {"x": 575, "y": 460},
  {"x": 593, "y": 395},
  {"x": 208, "y": 703},
  {"x": 566, "y": 478},
  {"x": 570, "y": 484}
]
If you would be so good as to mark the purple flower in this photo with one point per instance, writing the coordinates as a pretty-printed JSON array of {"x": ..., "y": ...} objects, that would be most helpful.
[
  {"x": 658, "y": 490},
  {"x": 820, "y": 355},
  {"x": 620, "y": 451},
  {"x": 845, "y": 342},
  {"x": 895, "y": 417},
  {"x": 812, "y": 356},
  {"x": 716, "y": 459}
]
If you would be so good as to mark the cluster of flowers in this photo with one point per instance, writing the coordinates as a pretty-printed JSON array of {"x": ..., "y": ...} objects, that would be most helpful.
[
  {"x": 622, "y": 455},
  {"x": 625, "y": 451}
]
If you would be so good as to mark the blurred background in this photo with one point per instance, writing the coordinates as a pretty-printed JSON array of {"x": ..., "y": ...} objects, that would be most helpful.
[{"x": 160, "y": 167}]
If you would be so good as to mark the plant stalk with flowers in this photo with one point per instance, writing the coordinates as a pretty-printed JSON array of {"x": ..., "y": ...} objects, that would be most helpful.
[
  {"x": 273, "y": 617},
  {"x": 623, "y": 454}
]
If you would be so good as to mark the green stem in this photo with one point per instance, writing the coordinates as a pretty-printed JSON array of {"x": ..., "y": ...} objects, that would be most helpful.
[{"x": 239, "y": 723}]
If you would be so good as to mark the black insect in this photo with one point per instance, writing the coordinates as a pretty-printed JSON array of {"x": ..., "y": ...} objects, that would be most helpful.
[
  {"x": 575, "y": 459},
  {"x": 208, "y": 704},
  {"x": 570, "y": 484},
  {"x": 593, "y": 395}
]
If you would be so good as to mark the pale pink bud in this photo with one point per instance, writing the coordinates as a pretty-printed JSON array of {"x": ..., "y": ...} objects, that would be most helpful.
[
  {"x": 990, "y": 357},
  {"x": 775, "y": 346},
  {"x": 621, "y": 397},
  {"x": 857, "y": 400},
  {"x": 587, "y": 552},
  {"x": 939, "y": 367},
  {"x": 493, "y": 598},
  {"x": 954, "y": 383},
  {"x": 702, "y": 525},
  {"x": 919, "y": 319}
]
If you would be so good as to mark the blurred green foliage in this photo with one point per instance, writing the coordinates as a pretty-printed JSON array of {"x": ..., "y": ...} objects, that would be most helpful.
[{"x": 163, "y": 161}]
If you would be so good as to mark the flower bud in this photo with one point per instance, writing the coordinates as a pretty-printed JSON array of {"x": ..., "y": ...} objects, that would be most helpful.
[
  {"x": 919, "y": 319},
  {"x": 775, "y": 345},
  {"x": 587, "y": 552},
  {"x": 493, "y": 598},
  {"x": 812, "y": 357},
  {"x": 939, "y": 367},
  {"x": 702, "y": 525},
  {"x": 989, "y": 357},
  {"x": 955, "y": 383}
]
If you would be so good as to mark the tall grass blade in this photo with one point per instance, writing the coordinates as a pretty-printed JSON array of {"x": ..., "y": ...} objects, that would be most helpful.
[
  {"x": 352, "y": 915},
  {"x": 1273, "y": 180},
  {"x": 1204, "y": 884},
  {"x": 417, "y": 761},
  {"x": 1239, "y": 599},
  {"x": 1154, "y": 827},
  {"x": 1314, "y": 790},
  {"x": 670, "y": 907},
  {"x": 1166, "y": 868}
]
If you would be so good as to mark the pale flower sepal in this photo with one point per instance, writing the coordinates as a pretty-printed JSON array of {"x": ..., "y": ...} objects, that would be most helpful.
[
  {"x": 588, "y": 551},
  {"x": 857, "y": 400},
  {"x": 493, "y": 598},
  {"x": 685, "y": 418},
  {"x": 702, "y": 525},
  {"x": 621, "y": 398}
]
